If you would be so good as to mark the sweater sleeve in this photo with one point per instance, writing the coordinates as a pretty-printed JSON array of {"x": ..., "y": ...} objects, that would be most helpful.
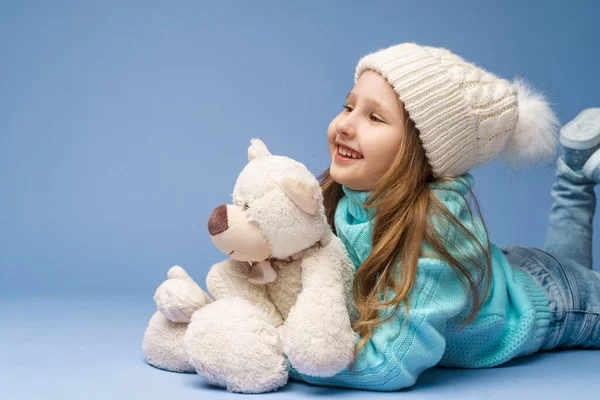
[{"x": 386, "y": 363}]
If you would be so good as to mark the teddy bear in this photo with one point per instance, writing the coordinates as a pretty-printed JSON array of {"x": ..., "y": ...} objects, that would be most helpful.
[{"x": 283, "y": 296}]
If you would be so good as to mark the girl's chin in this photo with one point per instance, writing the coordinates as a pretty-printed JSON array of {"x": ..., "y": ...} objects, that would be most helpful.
[
  {"x": 346, "y": 178},
  {"x": 339, "y": 176}
]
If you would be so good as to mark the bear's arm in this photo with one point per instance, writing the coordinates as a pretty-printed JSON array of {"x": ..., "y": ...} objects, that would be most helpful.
[{"x": 318, "y": 336}]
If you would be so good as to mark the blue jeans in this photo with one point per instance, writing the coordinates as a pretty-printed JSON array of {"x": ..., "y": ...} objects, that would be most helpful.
[{"x": 564, "y": 268}]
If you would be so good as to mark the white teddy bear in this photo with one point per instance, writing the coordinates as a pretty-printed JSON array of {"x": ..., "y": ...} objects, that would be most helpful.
[{"x": 285, "y": 291}]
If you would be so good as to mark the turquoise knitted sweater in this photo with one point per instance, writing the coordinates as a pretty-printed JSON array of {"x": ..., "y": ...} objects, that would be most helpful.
[{"x": 511, "y": 323}]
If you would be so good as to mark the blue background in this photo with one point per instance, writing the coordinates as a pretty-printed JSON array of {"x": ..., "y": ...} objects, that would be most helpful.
[{"x": 124, "y": 124}]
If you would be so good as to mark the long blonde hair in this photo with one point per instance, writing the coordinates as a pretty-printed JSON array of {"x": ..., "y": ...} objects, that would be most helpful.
[{"x": 404, "y": 206}]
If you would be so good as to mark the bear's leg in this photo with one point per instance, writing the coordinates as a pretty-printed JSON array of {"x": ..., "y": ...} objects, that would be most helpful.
[
  {"x": 163, "y": 344},
  {"x": 233, "y": 344}
]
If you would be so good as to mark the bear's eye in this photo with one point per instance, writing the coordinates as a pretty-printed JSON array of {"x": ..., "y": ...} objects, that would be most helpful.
[{"x": 245, "y": 206}]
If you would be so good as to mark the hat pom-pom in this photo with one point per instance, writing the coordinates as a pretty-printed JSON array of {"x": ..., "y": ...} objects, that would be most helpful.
[{"x": 534, "y": 139}]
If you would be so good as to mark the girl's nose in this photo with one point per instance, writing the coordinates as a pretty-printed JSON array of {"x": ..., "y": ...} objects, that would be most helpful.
[{"x": 346, "y": 127}]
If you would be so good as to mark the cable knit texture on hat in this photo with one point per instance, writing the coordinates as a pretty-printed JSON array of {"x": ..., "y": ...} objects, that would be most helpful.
[{"x": 466, "y": 116}]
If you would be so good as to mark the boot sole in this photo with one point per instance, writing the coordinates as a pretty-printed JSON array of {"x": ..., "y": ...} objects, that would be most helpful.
[{"x": 583, "y": 131}]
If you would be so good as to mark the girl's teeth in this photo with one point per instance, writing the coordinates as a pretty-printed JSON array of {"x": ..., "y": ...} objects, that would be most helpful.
[{"x": 347, "y": 153}]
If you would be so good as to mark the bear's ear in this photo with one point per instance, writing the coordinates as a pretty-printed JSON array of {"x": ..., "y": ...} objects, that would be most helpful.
[
  {"x": 257, "y": 149},
  {"x": 300, "y": 192}
]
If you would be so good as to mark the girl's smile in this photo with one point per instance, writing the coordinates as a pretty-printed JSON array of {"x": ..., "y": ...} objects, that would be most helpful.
[{"x": 345, "y": 154}]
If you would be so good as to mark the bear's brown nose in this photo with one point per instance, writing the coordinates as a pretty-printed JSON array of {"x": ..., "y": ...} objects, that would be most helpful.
[{"x": 217, "y": 222}]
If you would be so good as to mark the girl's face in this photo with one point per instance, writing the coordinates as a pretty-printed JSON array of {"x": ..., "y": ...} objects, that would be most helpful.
[{"x": 369, "y": 129}]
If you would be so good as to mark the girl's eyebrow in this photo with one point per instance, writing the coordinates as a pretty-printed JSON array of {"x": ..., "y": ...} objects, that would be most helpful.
[{"x": 374, "y": 103}]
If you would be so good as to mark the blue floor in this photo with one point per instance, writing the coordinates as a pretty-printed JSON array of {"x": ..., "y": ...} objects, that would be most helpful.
[{"x": 89, "y": 347}]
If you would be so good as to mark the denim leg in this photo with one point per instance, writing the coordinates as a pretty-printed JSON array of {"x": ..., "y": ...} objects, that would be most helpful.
[
  {"x": 570, "y": 228},
  {"x": 573, "y": 293}
]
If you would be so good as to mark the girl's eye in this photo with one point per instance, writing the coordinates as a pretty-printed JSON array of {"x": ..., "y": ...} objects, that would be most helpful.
[{"x": 347, "y": 108}]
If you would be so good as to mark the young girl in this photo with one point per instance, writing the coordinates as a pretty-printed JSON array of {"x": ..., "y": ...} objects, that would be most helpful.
[{"x": 430, "y": 287}]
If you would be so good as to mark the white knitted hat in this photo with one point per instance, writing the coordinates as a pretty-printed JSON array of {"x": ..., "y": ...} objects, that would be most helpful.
[{"x": 466, "y": 115}]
